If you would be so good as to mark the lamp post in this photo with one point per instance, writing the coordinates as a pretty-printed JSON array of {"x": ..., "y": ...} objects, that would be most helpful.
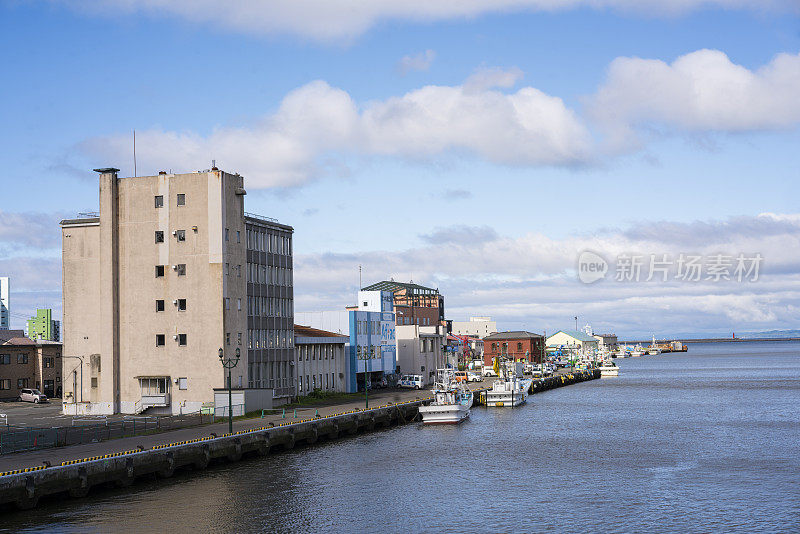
[
  {"x": 229, "y": 363},
  {"x": 74, "y": 385}
]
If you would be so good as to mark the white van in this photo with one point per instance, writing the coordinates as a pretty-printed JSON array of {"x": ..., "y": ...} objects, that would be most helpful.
[
  {"x": 32, "y": 395},
  {"x": 410, "y": 381}
]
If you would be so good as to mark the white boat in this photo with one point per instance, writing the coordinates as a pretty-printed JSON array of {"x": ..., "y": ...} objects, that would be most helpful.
[
  {"x": 637, "y": 351},
  {"x": 451, "y": 400},
  {"x": 608, "y": 369},
  {"x": 653, "y": 349},
  {"x": 508, "y": 390}
]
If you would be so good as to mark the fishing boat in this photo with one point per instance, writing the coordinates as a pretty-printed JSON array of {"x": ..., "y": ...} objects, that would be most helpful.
[
  {"x": 637, "y": 351},
  {"x": 451, "y": 400},
  {"x": 608, "y": 368},
  {"x": 509, "y": 390}
]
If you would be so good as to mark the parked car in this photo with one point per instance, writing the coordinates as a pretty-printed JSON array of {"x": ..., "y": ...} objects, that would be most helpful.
[
  {"x": 410, "y": 381},
  {"x": 461, "y": 376},
  {"x": 32, "y": 395},
  {"x": 474, "y": 377},
  {"x": 488, "y": 371}
]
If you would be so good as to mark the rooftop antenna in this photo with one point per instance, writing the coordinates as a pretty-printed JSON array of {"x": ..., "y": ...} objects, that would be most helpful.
[
  {"x": 134, "y": 152},
  {"x": 359, "y": 277}
]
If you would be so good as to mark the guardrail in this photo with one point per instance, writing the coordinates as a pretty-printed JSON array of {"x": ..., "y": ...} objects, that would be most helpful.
[{"x": 292, "y": 413}]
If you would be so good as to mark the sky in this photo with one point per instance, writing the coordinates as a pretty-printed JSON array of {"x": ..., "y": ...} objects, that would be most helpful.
[{"x": 477, "y": 147}]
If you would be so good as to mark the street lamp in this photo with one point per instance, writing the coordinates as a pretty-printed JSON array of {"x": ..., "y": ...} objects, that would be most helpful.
[{"x": 229, "y": 363}]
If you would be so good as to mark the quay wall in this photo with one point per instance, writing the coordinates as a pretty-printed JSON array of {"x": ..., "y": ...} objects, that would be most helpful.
[{"x": 23, "y": 488}]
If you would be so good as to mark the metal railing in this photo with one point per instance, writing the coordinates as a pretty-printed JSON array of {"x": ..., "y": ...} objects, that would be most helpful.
[{"x": 260, "y": 217}]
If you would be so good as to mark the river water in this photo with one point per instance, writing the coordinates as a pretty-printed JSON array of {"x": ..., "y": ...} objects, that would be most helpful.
[{"x": 707, "y": 441}]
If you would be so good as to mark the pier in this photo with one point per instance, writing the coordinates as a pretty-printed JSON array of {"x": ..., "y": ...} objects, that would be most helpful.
[{"x": 118, "y": 463}]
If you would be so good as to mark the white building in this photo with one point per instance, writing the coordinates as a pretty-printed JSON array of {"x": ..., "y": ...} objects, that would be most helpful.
[
  {"x": 319, "y": 360},
  {"x": 607, "y": 341},
  {"x": 476, "y": 326},
  {"x": 419, "y": 351},
  {"x": 5, "y": 304},
  {"x": 573, "y": 339}
]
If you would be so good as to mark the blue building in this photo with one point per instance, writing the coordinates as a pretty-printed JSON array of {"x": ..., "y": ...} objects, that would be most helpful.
[{"x": 371, "y": 351}]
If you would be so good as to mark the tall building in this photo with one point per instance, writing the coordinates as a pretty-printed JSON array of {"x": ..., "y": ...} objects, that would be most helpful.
[
  {"x": 168, "y": 273},
  {"x": 42, "y": 326},
  {"x": 476, "y": 326},
  {"x": 413, "y": 303},
  {"x": 5, "y": 304}
]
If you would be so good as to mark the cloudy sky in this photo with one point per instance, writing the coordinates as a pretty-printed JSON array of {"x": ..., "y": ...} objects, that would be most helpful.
[{"x": 475, "y": 146}]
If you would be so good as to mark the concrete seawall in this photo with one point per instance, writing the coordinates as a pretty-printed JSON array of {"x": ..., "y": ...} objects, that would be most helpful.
[{"x": 23, "y": 488}]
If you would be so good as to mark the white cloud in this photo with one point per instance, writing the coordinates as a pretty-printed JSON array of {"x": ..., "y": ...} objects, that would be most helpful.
[
  {"x": 530, "y": 280},
  {"x": 526, "y": 127},
  {"x": 700, "y": 91},
  {"x": 418, "y": 62},
  {"x": 328, "y": 20}
]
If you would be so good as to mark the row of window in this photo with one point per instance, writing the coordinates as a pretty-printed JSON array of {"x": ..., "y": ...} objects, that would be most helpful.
[
  {"x": 423, "y": 321},
  {"x": 269, "y": 307},
  {"x": 368, "y": 327},
  {"x": 180, "y": 235},
  {"x": 495, "y": 346},
  {"x": 269, "y": 274},
  {"x": 367, "y": 353},
  {"x": 180, "y": 270},
  {"x": 228, "y": 338},
  {"x": 5, "y": 383},
  {"x": 48, "y": 362},
  {"x": 427, "y": 345},
  {"x": 228, "y": 235},
  {"x": 180, "y": 201},
  {"x": 268, "y": 242},
  {"x": 5, "y": 359},
  {"x": 313, "y": 351},
  {"x": 311, "y": 382},
  {"x": 269, "y": 375},
  {"x": 269, "y": 339},
  {"x": 161, "y": 339},
  {"x": 179, "y": 303}
]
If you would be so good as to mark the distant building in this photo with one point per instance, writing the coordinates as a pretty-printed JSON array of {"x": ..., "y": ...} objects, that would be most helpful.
[
  {"x": 608, "y": 341},
  {"x": 413, "y": 303},
  {"x": 420, "y": 351},
  {"x": 25, "y": 363},
  {"x": 476, "y": 326},
  {"x": 5, "y": 304},
  {"x": 170, "y": 271},
  {"x": 573, "y": 339},
  {"x": 516, "y": 345},
  {"x": 371, "y": 349},
  {"x": 319, "y": 360},
  {"x": 42, "y": 326}
]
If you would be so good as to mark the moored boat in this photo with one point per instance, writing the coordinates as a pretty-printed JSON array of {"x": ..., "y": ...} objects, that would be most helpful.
[
  {"x": 509, "y": 390},
  {"x": 451, "y": 403}
]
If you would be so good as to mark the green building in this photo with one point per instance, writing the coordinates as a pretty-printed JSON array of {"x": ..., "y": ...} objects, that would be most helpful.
[{"x": 42, "y": 326}]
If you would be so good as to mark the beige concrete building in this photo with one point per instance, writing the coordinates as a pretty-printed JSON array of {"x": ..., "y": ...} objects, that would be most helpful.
[
  {"x": 419, "y": 351},
  {"x": 319, "y": 360},
  {"x": 479, "y": 327},
  {"x": 158, "y": 281}
]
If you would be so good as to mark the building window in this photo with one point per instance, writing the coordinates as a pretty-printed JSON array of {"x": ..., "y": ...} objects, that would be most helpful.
[
  {"x": 299, "y": 383},
  {"x": 22, "y": 383},
  {"x": 183, "y": 383},
  {"x": 5, "y": 359},
  {"x": 159, "y": 271},
  {"x": 238, "y": 236},
  {"x": 239, "y": 338},
  {"x": 227, "y": 338},
  {"x": 226, "y": 234},
  {"x": 94, "y": 382},
  {"x": 5, "y": 383},
  {"x": 227, "y": 269},
  {"x": 22, "y": 358},
  {"x": 159, "y": 236},
  {"x": 181, "y": 304},
  {"x": 519, "y": 346},
  {"x": 180, "y": 235},
  {"x": 181, "y": 269},
  {"x": 239, "y": 304},
  {"x": 159, "y": 201},
  {"x": 333, "y": 377},
  {"x": 160, "y": 340},
  {"x": 181, "y": 199},
  {"x": 159, "y": 305},
  {"x": 182, "y": 340},
  {"x": 239, "y": 271},
  {"x": 227, "y": 303}
]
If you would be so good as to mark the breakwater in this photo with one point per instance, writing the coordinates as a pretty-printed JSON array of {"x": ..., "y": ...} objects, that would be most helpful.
[{"x": 25, "y": 487}]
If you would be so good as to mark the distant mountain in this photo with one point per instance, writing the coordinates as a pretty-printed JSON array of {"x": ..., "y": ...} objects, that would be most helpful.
[{"x": 770, "y": 333}]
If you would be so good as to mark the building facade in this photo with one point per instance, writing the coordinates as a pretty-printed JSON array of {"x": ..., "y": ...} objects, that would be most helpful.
[
  {"x": 413, "y": 303},
  {"x": 479, "y": 327},
  {"x": 154, "y": 286},
  {"x": 319, "y": 360},
  {"x": 607, "y": 341},
  {"x": 42, "y": 326},
  {"x": 270, "y": 307},
  {"x": 516, "y": 345},
  {"x": 420, "y": 351},
  {"x": 5, "y": 303},
  {"x": 572, "y": 339},
  {"x": 371, "y": 348},
  {"x": 25, "y": 363}
]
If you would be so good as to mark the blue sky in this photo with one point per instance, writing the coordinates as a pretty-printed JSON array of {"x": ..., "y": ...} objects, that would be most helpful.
[{"x": 78, "y": 81}]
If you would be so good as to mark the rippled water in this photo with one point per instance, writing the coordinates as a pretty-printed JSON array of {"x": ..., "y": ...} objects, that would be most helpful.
[{"x": 707, "y": 441}]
